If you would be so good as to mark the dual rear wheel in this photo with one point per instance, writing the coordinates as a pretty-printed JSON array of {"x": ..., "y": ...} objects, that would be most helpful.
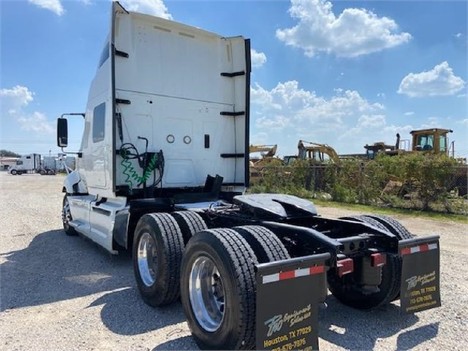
[{"x": 212, "y": 270}]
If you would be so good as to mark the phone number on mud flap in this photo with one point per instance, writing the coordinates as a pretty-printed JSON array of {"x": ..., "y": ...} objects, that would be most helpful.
[
  {"x": 293, "y": 340},
  {"x": 422, "y": 295},
  {"x": 421, "y": 298}
]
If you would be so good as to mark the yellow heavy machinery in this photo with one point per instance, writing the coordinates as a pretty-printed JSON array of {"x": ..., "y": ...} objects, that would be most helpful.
[
  {"x": 319, "y": 153},
  {"x": 430, "y": 140},
  {"x": 267, "y": 158},
  {"x": 266, "y": 151},
  {"x": 434, "y": 140}
]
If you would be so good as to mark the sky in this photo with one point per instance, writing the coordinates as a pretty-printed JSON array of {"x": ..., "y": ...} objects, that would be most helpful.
[{"x": 342, "y": 73}]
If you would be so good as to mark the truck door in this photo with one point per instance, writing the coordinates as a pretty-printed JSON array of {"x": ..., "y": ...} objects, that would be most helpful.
[{"x": 95, "y": 146}]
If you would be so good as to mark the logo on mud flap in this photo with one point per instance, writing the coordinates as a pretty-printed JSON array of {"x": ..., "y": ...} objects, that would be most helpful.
[
  {"x": 275, "y": 324},
  {"x": 422, "y": 279}
]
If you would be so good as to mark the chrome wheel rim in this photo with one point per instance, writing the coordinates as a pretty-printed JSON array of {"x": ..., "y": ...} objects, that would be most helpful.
[
  {"x": 207, "y": 295},
  {"x": 147, "y": 259}
]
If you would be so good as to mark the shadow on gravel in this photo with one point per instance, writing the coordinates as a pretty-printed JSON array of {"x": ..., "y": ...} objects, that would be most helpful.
[
  {"x": 412, "y": 338},
  {"x": 360, "y": 330},
  {"x": 182, "y": 343},
  {"x": 56, "y": 267},
  {"x": 125, "y": 313}
]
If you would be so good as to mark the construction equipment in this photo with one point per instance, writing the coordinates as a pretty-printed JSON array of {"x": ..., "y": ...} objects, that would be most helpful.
[
  {"x": 314, "y": 152},
  {"x": 162, "y": 171},
  {"x": 267, "y": 158},
  {"x": 265, "y": 150},
  {"x": 431, "y": 140},
  {"x": 308, "y": 150}
]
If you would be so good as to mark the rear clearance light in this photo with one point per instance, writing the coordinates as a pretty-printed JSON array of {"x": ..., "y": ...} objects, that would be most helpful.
[
  {"x": 345, "y": 266},
  {"x": 378, "y": 259}
]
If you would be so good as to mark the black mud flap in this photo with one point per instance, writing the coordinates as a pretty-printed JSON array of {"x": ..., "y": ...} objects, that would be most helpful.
[
  {"x": 420, "y": 276},
  {"x": 288, "y": 294}
]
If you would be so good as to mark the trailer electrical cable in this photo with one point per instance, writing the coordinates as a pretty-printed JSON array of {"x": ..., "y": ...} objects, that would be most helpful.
[{"x": 129, "y": 152}]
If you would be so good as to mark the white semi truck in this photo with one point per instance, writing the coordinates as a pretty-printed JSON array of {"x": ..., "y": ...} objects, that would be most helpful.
[
  {"x": 162, "y": 171},
  {"x": 26, "y": 164}
]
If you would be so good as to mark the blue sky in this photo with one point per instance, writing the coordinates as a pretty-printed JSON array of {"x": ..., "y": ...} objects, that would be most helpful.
[{"x": 344, "y": 73}]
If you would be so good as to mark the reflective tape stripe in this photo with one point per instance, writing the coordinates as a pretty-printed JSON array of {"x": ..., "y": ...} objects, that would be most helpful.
[
  {"x": 302, "y": 272},
  {"x": 270, "y": 278},
  {"x": 418, "y": 248}
]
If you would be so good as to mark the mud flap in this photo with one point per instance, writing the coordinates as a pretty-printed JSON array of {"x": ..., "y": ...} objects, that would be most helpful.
[
  {"x": 420, "y": 276},
  {"x": 288, "y": 294}
]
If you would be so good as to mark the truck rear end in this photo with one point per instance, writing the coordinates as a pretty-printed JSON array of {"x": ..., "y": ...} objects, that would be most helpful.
[
  {"x": 162, "y": 171},
  {"x": 181, "y": 95}
]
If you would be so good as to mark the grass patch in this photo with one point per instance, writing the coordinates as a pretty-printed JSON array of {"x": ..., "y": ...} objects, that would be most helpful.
[{"x": 394, "y": 211}]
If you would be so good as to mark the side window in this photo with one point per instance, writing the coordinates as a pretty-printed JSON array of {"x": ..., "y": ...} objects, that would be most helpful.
[
  {"x": 84, "y": 142},
  {"x": 443, "y": 143},
  {"x": 104, "y": 55},
  {"x": 99, "y": 118}
]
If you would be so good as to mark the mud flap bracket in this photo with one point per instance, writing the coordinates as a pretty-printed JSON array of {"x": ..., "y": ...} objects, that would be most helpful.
[
  {"x": 420, "y": 276},
  {"x": 288, "y": 295}
]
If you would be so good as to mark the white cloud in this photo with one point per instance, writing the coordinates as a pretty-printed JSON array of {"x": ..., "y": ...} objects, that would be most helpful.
[
  {"x": 409, "y": 113},
  {"x": 150, "y": 7},
  {"x": 353, "y": 33},
  {"x": 439, "y": 81},
  {"x": 288, "y": 113},
  {"x": 16, "y": 98},
  {"x": 53, "y": 5},
  {"x": 14, "y": 103},
  {"x": 258, "y": 58}
]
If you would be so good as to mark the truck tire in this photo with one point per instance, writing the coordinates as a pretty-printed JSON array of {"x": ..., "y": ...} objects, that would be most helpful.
[
  {"x": 366, "y": 219},
  {"x": 393, "y": 226},
  {"x": 67, "y": 217},
  {"x": 397, "y": 229},
  {"x": 13, "y": 172},
  {"x": 157, "y": 253},
  {"x": 265, "y": 244},
  {"x": 218, "y": 290},
  {"x": 190, "y": 223},
  {"x": 345, "y": 289}
]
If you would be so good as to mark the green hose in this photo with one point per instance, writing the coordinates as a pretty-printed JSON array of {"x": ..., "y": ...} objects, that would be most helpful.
[{"x": 132, "y": 174}]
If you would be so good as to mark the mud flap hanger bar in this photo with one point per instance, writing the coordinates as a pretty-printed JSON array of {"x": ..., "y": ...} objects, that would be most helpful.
[
  {"x": 331, "y": 245},
  {"x": 288, "y": 295},
  {"x": 420, "y": 275}
]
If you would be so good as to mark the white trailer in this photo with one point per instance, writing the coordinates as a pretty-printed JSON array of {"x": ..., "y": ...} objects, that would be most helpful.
[{"x": 162, "y": 171}]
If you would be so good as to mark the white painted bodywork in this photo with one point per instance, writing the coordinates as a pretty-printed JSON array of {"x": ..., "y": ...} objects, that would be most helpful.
[
  {"x": 174, "y": 95},
  {"x": 27, "y": 163}
]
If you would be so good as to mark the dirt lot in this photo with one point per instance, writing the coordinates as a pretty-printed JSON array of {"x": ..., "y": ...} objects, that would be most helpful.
[{"x": 65, "y": 293}]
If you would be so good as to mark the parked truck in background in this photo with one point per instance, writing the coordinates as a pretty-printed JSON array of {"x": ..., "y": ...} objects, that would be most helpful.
[
  {"x": 26, "y": 164},
  {"x": 162, "y": 171}
]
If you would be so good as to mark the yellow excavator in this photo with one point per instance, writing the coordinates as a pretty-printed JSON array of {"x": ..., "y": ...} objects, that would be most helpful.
[
  {"x": 308, "y": 150},
  {"x": 265, "y": 151},
  {"x": 267, "y": 158}
]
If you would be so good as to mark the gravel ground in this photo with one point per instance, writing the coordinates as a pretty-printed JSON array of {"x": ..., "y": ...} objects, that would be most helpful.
[{"x": 65, "y": 293}]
